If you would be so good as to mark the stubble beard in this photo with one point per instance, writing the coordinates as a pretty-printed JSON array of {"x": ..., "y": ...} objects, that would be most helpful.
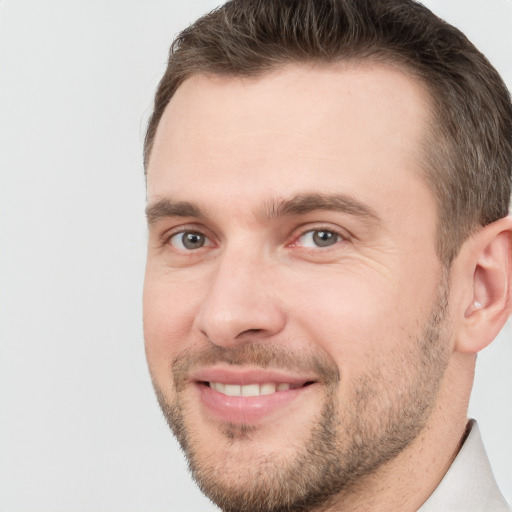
[{"x": 346, "y": 443}]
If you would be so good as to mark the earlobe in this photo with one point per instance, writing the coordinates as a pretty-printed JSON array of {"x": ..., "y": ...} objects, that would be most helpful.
[{"x": 489, "y": 267}]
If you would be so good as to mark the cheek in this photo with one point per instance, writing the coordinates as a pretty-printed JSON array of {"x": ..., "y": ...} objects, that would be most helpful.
[
  {"x": 356, "y": 319},
  {"x": 168, "y": 311}
]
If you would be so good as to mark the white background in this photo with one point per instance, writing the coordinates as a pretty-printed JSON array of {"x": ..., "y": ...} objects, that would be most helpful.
[{"x": 80, "y": 430}]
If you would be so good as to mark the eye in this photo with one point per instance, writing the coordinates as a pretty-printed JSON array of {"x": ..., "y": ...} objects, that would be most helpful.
[
  {"x": 189, "y": 240},
  {"x": 319, "y": 238}
]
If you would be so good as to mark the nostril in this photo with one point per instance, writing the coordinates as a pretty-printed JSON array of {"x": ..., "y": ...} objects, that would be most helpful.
[{"x": 250, "y": 331}]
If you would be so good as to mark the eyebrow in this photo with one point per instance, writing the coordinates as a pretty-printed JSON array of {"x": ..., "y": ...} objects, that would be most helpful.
[
  {"x": 307, "y": 203},
  {"x": 301, "y": 204},
  {"x": 166, "y": 208}
]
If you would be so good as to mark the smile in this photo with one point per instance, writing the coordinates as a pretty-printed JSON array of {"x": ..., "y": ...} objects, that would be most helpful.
[
  {"x": 252, "y": 389},
  {"x": 249, "y": 396}
]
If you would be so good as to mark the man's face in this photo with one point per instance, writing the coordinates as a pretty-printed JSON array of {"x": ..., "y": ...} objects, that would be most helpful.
[{"x": 293, "y": 300}]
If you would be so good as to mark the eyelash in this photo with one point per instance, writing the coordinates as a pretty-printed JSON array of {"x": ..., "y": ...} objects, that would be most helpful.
[
  {"x": 333, "y": 235},
  {"x": 167, "y": 239},
  {"x": 340, "y": 237}
]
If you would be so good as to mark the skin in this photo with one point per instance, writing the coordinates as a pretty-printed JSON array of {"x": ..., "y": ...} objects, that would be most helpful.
[{"x": 372, "y": 320}]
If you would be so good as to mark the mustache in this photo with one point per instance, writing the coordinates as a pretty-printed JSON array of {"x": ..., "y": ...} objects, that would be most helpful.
[{"x": 261, "y": 355}]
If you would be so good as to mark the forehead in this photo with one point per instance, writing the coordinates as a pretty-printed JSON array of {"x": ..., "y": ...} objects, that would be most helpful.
[{"x": 344, "y": 128}]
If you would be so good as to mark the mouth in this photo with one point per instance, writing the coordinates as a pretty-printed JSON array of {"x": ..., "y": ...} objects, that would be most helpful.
[
  {"x": 250, "y": 396},
  {"x": 252, "y": 390}
]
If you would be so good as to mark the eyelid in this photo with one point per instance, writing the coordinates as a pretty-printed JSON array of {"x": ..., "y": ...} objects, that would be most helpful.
[
  {"x": 299, "y": 232},
  {"x": 184, "y": 228},
  {"x": 177, "y": 241},
  {"x": 304, "y": 229}
]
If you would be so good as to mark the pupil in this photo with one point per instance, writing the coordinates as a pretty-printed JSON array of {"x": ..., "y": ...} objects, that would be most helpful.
[
  {"x": 324, "y": 238},
  {"x": 193, "y": 240}
]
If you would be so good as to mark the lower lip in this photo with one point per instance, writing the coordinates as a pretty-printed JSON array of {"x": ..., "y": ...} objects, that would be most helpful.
[{"x": 244, "y": 409}]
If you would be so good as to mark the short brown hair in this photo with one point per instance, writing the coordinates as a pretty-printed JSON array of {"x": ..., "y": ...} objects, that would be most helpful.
[{"x": 469, "y": 153}]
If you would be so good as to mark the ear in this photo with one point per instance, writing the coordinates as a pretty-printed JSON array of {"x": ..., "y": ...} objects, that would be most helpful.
[{"x": 486, "y": 261}]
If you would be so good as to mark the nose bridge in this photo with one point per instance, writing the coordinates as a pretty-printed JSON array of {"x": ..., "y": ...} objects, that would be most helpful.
[{"x": 240, "y": 302}]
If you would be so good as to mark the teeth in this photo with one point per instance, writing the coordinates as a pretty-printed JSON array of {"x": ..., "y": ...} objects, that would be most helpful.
[
  {"x": 218, "y": 386},
  {"x": 232, "y": 390},
  {"x": 267, "y": 389},
  {"x": 249, "y": 389}
]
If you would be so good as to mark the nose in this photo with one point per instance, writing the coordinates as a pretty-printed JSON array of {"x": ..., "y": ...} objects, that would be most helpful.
[{"x": 241, "y": 303}]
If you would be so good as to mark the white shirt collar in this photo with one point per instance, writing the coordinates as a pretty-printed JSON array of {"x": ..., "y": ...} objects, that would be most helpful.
[{"x": 469, "y": 484}]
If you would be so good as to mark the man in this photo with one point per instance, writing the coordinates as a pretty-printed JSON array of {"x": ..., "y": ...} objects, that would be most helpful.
[{"x": 328, "y": 189}]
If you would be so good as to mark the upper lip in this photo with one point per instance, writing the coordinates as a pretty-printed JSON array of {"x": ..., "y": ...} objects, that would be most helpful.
[{"x": 244, "y": 376}]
